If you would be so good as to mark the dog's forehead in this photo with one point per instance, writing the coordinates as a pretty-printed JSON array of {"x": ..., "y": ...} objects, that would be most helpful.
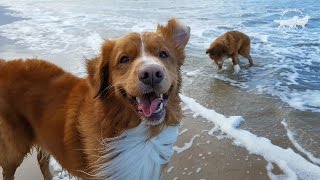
[
  {"x": 131, "y": 38},
  {"x": 139, "y": 42},
  {"x": 151, "y": 38},
  {"x": 138, "y": 37}
]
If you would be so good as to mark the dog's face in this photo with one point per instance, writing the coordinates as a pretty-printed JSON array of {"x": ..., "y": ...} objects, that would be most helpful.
[
  {"x": 218, "y": 54},
  {"x": 143, "y": 69}
]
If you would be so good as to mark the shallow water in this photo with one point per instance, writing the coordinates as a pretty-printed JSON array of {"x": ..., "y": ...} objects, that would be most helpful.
[{"x": 285, "y": 78}]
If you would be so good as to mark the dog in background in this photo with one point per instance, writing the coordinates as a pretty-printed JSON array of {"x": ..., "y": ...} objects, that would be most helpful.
[
  {"x": 231, "y": 44},
  {"x": 120, "y": 122}
]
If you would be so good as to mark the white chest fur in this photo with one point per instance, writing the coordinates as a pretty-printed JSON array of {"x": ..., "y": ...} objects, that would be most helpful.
[{"x": 133, "y": 157}]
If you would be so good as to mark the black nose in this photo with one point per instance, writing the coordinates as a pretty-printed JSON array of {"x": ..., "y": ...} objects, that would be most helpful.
[{"x": 151, "y": 74}]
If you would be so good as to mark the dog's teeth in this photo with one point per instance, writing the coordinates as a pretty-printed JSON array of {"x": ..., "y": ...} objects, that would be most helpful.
[
  {"x": 138, "y": 100},
  {"x": 159, "y": 108},
  {"x": 161, "y": 96}
]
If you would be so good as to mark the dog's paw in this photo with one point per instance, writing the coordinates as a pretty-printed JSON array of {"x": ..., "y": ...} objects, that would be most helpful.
[
  {"x": 219, "y": 70},
  {"x": 236, "y": 69}
]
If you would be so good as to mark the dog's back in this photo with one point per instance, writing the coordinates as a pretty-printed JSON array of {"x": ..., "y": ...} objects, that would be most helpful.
[
  {"x": 27, "y": 88},
  {"x": 236, "y": 40}
]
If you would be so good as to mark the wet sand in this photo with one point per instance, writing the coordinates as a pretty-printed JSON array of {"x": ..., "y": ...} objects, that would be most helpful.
[{"x": 210, "y": 158}]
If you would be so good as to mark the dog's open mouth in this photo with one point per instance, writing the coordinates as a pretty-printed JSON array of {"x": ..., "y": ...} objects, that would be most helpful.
[{"x": 150, "y": 106}]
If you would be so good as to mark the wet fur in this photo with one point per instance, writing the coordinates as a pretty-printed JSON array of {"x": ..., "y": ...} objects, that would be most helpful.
[
  {"x": 69, "y": 117},
  {"x": 231, "y": 44}
]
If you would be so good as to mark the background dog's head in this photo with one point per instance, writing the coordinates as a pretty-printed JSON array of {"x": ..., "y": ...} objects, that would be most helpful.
[
  {"x": 218, "y": 53},
  {"x": 142, "y": 71}
]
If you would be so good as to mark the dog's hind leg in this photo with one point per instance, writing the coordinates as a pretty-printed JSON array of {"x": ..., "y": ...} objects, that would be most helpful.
[
  {"x": 249, "y": 58},
  {"x": 44, "y": 161},
  {"x": 15, "y": 144},
  {"x": 9, "y": 170},
  {"x": 245, "y": 52}
]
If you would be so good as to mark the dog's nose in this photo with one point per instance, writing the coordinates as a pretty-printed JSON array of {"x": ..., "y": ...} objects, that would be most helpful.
[{"x": 151, "y": 74}]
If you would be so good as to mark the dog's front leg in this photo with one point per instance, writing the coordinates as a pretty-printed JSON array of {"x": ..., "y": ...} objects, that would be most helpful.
[
  {"x": 235, "y": 62},
  {"x": 44, "y": 161}
]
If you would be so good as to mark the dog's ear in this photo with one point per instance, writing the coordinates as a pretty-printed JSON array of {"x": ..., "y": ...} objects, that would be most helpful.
[
  {"x": 97, "y": 69},
  {"x": 176, "y": 31}
]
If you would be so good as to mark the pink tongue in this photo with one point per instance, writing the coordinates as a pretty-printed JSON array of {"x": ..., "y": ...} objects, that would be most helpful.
[{"x": 149, "y": 108}]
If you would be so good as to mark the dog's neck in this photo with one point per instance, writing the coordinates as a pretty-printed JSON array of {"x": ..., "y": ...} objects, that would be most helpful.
[{"x": 132, "y": 156}]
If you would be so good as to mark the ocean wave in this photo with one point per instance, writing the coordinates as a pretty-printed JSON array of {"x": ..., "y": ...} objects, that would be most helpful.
[{"x": 291, "y": 163}]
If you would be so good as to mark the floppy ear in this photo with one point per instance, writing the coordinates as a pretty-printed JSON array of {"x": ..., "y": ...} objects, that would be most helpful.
[
  {"x": 176, "y": 31},
  {"x": 97, "y": 69}
]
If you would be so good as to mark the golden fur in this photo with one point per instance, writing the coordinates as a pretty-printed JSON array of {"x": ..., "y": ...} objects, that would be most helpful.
[{"x": 68, "y": 117}]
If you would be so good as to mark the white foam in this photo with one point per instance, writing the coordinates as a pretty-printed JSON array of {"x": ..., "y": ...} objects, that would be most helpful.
[
  {"x": 303, "y": 100},
  {"x": 231, "y": 81},
  {"x": 264, "y": 38},
  {"x": 289, "y": 161},
  {"x": 213, "y": 130},
  {"x": 193, "y": 73},
  {"x": 183, "y": 131},
  {"x": 198, "y": 170},
  {"x": 170, "y": 169},
  {"x": 298, "y": 146},
  {"x": 186, "y": 146}
]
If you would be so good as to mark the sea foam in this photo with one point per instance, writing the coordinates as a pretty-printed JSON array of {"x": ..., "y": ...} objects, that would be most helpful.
[{"x": 291, "y": 163}]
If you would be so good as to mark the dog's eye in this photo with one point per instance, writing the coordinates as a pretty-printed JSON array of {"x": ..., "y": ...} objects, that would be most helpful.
[
  {"x": 124, "y": 59},
  {"x": 163, "y": 55}
]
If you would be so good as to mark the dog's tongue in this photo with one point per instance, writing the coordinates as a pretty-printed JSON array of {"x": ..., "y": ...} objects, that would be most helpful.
[{"x": 148, "y": 105}]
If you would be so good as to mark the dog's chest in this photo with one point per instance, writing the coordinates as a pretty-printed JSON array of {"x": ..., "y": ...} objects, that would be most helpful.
[
  {"x": 134, "y": 157},
  {"x": 225, "y": 57}
]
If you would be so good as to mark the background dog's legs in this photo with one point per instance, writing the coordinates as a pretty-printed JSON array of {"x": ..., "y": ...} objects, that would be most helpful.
[
  {"x": 44, "y": 160},
  {"x": 245, "y": 52},
  {"x": 235, "y": 62},
  {"x": 250, "y": 59}
]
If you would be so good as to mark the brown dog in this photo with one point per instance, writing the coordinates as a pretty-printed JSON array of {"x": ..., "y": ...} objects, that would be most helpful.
[
  {"x": 118, "y": 123},
  {"x": 230, "y": 44}
]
